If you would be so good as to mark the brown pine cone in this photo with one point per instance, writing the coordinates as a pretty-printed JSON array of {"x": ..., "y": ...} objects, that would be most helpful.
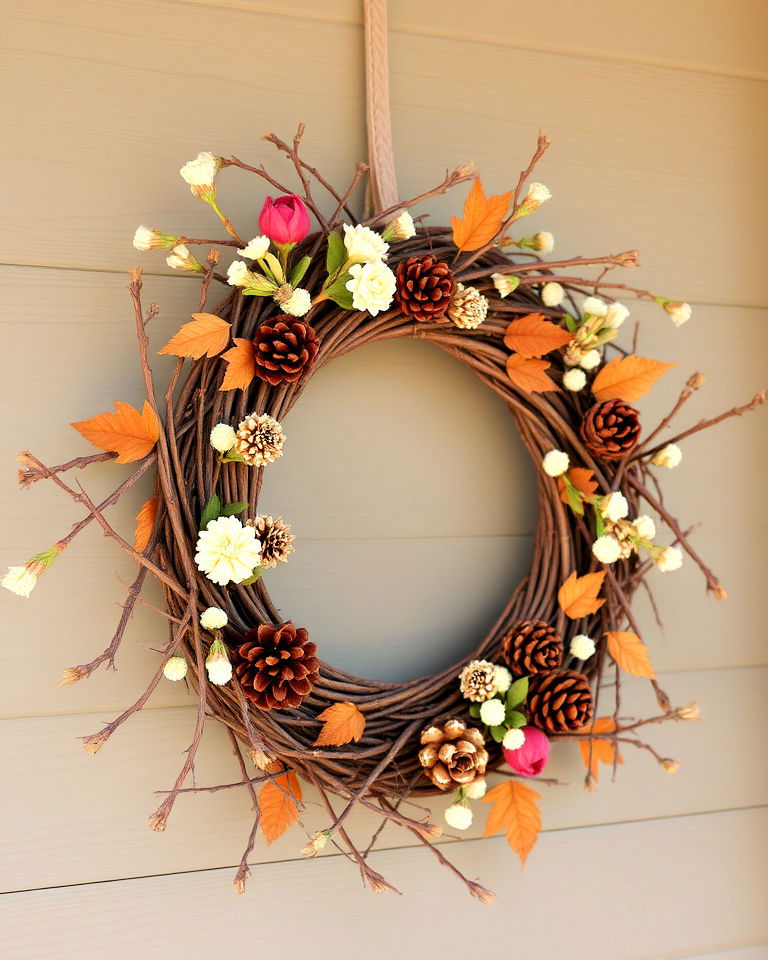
[
  {"x": 610, "y": 429},
  {"x": 453, "y": 754},
  {"x": 276, "y": 542},
  {"x": 532, "y": 647},
  {"x": 260, "y": 439},
  {"x": 284, "y": 348},
  {"x": 559, "y": 702},
  {"x": 424, "y": 288},
  {"x": 276, "y": 666}
]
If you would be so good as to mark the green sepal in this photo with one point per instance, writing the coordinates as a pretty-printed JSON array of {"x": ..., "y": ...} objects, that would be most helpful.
[
  {"x": 515, "y": 719},
  {"x": 474, "y": 710},
  {"x": 230, "y": 457},
  {"x": 297, "y": 274},
  {"x": 211, "y": 511},
  {"x": 570, "y": 323},
  {"x": 275, "y": 268},
  {"x": 337, "y": 253},
  {"x": 252, "y": 292},
  {"x": 599, "y": 522},
  {"x": 232, "y": 509},
  {"x": 498, "y": 732},
  {"x": 339, "y": 293},
  {"x": 517, "y": 693},
  {"x": 257, "y": 572}
]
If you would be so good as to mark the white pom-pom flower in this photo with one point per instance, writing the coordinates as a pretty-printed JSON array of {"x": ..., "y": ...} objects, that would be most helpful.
[
  {"x": 214, "y": 618},
  {"x": 574, "y": 379},
  {"x": 513, "y": 739},
  {"x": 594, "y": 307},
  {"x": 372, "y": 287},
  {"x": 363, "y": 244},
  {"x": 459, "y": 816},
  {"x": 606, "y": 549},
  {"x": 223, "y": 437},
  {"x": 492, "y": 712},
  {"x": 543, "y": 241},
  {"x": 555, "y": 463},
  {"x": 227, "y": 551},
  {"x": 615, "y": 315},
  {"x": 582, "y": 647},
  {"x": 590, "y": 360},
  {"x": 175, "y": 669},
  {"x": 679, "y": 312},
  {"x": 476, "y": 790},
  {"x": 669, "y": 558},
  {"x": 614, "y": 506},
  {"x": 645, "y": 528},
  {"x": 401, "y": 228},
  {"x": 217, "y": 664},
  {"x": 669, "y": 456},
  {"x": 552, "y": 294},
  {"x": 256, "y": 248},
  {"x": 502, "y": 678},
  {"x": 298, "y": 303}
]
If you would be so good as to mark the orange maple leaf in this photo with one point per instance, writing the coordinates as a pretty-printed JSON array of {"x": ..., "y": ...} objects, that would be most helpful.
[
  {"x": 578, "y": 595},
  {"x": 126, "y": 432},
  {"x": 241, "y": 366},
  {"x": 279, "y": 806},
  {"x": 529, "y": 375},
  {"x": 595, "y": 752},
  {"x": 516, "y": 812},
  {"x": 205, "y": 335},
  {"x": 533, "y": 335},
  {"x": 342, "y": 723},
  {"x": 145, "y": 522},
  {"x": 628, "y": 378},
  {"x": 483, "y": 217},
  {"x": 582, "y": 479},
  {"x": 631, "y": 654}
]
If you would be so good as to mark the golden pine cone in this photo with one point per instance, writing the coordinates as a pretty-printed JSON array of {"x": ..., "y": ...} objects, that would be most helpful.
[
  {"x": 260, "y": 440},
  {"x": 453, "y": 754},
  {"x": 468, "y": 307},
  {"x": 276, "y": 543}
]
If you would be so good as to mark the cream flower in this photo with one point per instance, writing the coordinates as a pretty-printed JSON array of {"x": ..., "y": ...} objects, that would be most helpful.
[
  {"x": 223, "y": 437},
  {"x": 691, "y": 711},
  {"x": 476, "y": 790},
  {"x": 669, "y": 558},
  {"x": 315, "y": 844},
  {"x": 594, "y": 307},
  {"x": 505, "y": 283},
  {"x": 200, "y": 173},
  {"x": 401, "y": 228},
  {"x": 363, "y": 244},
  {"x": 574, "y": 379},
  {"x": 615, "y": 315},
  {"x": 256, "y": 248},
  {"x": 492, "y": 712},
  {"x": 217, "y": 664},
  {"x": 536, "y": 195},
  {"x": 502, "y": 679},
  {"x": 669, "y": 457},
  {"x": 513, "y": 739},
  {"x": 213, "y": 618},
  {"x": 372, "y": 287},
  {"x": 552, "y": 294},
  {"x": 590, "y": 360},
  {"x": 606, "y": 549},
  {"x": 459, "y": 816},
  {"x": 20, "y": 580},
  {"x": 227, "y": 551},
  {"x": 614, "y": 507},
  {"x": 175, "y": 669},
  {"x": 555, "y": 463},
  {"x": 679, "y": 312},
  {"x": 582, "y": 647},
  {"x": 543, "y": 242},
  {"x": 181, "y": 259},
  {"x": 147, "y": 238},
  {"x": 645, "y": 528},
  {"x": 238, "y": 274},
  {"x": 298, "y": 303}
]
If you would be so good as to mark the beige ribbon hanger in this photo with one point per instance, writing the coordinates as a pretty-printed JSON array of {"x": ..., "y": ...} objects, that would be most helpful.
[{"x": 383, "y": 183}]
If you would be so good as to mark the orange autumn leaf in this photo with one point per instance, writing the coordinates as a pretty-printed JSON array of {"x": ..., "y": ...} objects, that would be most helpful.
[
  {"x": 516, "y": 813},
  {"x": 578, "y": 595},
  {"x": 529, "y": 375},
  {"x": 533, "y": 335},
  {"x": 205, "y": 335},
  {"x": 126, "y": 432},
  {"x": 582, "y": 478},
  {"x": 631, "y": 654},
  {"x": 342, "y": 723},
  {"x": 483, "y": 217},
  {"x": 277, "y": 806},
  {"x": 628, "y": 378},
  {"x": 145, "y": 522},
  {"x": 241, "y": 366},
  {"x": 595, "y": 752}
]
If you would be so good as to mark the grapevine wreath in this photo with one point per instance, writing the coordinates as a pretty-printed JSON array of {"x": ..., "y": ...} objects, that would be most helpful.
[{"x": 542, "y": 336}]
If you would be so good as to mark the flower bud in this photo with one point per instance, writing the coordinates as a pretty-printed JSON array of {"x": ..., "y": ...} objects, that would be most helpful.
[
  {"x": 214, "y": 618},
  {"x": 459, "y": 816},
  {"x": 22, "y": 580},
  {"x": 401, "y": 228},
  {"x": 671, "y": 766},
  {"x": 668, "y": 558},
  {"x": 217, "y": 664},
  {"x": 505, "y": 283},
  {"x": 536, "y": 195},
  {"x": 315, "y": 844},
  {"x": 669, "y": 456},
  {"x": 492, "y": 712},
  {"x": 555, "y": 463},
  {"x": 175, "y": 669},
  {"x": 543, "y": 242},
  {"x": 691, "y": 711},
  {"x": 284, "y": 220},
  {"x": 223, "y": 437},
  {"x": 582, "y": 647},
  {"x": 552, "y": 294},
  {"x": 181, "y": 259},
  {"x": 574, "y": 379},
  {"x": 679, "y": 312},
  {"x": 606, "y": 549},
  {"x": 147, "y": 238},
  {"x": 531, "y": 758}
]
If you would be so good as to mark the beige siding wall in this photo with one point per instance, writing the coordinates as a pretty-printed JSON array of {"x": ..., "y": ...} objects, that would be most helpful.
[{"x": 408, "y": 541}]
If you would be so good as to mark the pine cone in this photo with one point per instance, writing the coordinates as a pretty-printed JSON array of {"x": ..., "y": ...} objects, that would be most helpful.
[
  {"x": 260, "y": 440},
  {"x": 559, "y": 702},
  {"x": 284, "y": 348},
  {"x": 610, "y": 429},
  {"x": 532, "y": 647},
  {"x": 276, "y": 666},
  {"x": 424, "y": 288},
  {"x": 468, "y": 307},
  {"x": 276, "y": 544},
  {"x": 453, "y": 754}
]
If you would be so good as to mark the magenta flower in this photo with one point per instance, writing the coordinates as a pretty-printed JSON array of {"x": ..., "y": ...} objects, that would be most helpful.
[
  {"x": 530, "y": 759},
  {"x": 284, "y": 220}
]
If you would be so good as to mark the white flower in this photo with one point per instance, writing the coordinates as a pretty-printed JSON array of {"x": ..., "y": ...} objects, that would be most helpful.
[
  {"x": 315, "y": 844},
  {"x": 502, "y": 679},
  {"x": 227, "y": 551},
  {"x": 606, "y": 549},
  {"x": 459, "y": 816},
  {"x": 615, "y": 315},
  {"x": 147, "y": 238},
  {"x": 298, "y": 303},
  {"x": 175, "y": 669},
  {"x": 590, "y": 360},
  {"x": 574, "y": 379},
  {"x": 401, "y": 228},
  {"x": 201, "y": 173},
  {"x": 492, "y": 712},
  {"x": 476, "y": 789},
  {"x": 679, "y": 312},
  {"x": 363, "y": 244},
  {"x": 691, "y": 711},
  {"x": 594, "y": 307},
  {"x": 214, "y": 618},
  {"x": 181, "y": 259},
  {"x": 223, "y": 437},
  {"x": 582, "y": 646},
  {"x": 238, "y": 274},
  {"x": 536, "y": 195},
  {"x": 543, "y": 242},
  {"x": 552, "y": 294},
  {"x": 614, "y": 507},
  {"x": 505, "y": 283},
  {"x": 372, "y": 286},
  {"x": 217, "y": 664},
  {"x": 645, "y": 528},
  {"x": 555, "y": 463},
  {"x": 670, "y": 456},
  {"x": 514, "y": 738},
  {"x": 20, "y": 580},
  {"x": 669, "y": 558},
  {"x": 256, "y": 248}
]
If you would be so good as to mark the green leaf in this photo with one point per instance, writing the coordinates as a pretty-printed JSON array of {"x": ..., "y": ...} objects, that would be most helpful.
[
  {"x": 515, "y": 719},
  {"x": 252, "y": 292},
  {"x": 474, "y": 710},
  {"x": 517, "y": 693},
  {"x": 297, "y": 274},
  {"x": 599, "y": 523},
  {"x": 498, "y": 733},
  {"x": 337, "y": 254},
  {"x": 232, "y": 509},
  {"x": 574, "y": 499},
  {"x": 570, "y": 323},
  {"x": 253, "y": 577},
  {"x": 211, "y": 511},
  {"x": 339, "y": 293}
]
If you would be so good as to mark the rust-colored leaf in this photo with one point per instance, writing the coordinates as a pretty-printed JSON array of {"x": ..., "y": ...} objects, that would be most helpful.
[
  {"x": 126, "y": 432},
  {"x": 578, "y": 595},
  {"x": 483, "y": 217},
  {"x": 628, "y": 378},
  {"x": 205, "y": 335},
  {"x": 516, "y": 813},
  {"x": 241, "y": 366},
  {"x": 277, "y": 806},
  {"x": 342, "y": 723},
  {"x": 145, "y": 522},
  {"x": 595, "y": 752},
  {"x": 533, "y": 335},
  {"x": 529, "y": 375},
  {"x": 631, "y": 654},
  {"x": 582, "y": 478}
]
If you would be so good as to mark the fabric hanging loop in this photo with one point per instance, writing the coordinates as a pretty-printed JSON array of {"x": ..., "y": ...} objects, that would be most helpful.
[{"x": 383, "y": 184}]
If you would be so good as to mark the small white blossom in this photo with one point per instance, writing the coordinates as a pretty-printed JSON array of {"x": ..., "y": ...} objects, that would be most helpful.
[
  {"x": 691, "y": 711},
  {"x": 20, "y": 580},
  {"x": 372, "y": 287},
  {"x": 615, "y": 315},
  {"x": 213, "y": 618},
  {"x": 200, "y": 173},
  {"x": 590, "y": 360},
  {"x": 594, "y": 307},
  {"x": 614, "y": 506},
  {"x": 536, "y": 195},
  {"x": 238, "y": 274},
  {"x": 502, "y": 678},
  {"x": 223, "y": 437},
  {"x": 181, "y": 259},
  {"x": 315, "y": 844},
  {"x": 175, "y": 669},
  {"x": 543, "y": 242},
  {"x": 645, "y": 528},
  {"x": 256, "y": 248},
  {"x": 574, "y": 379},
  {"x": 552, "y": 294},
  {"x": 582, "y": 647},
  {"x": 555, "y": 463},
  {"x": 459, "y": 816},
  {"x": 606, "y": 549},
  {"x": 514, "y": 738},
  {"x": 505, "y": 283},
  {"x": 679, "y": 312},
  {"x": 669, "y": 457},
  {"x": 476, "y": 790},
  {"x": 227, "y": 551},
  {"x": 147, "y": 238},
  {"x": 298, "y": 303},
  {"x": 363, "y": 244},
  {"x": 669, "y": 558},
  {"x": 492, "y": 712},
  {"x": 217, "y": 664},
  {"x": 401, "y": 228}
]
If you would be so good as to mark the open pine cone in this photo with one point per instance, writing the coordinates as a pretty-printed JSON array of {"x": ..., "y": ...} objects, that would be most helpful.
[
  {"x": 453, "y": 754},
  {"x": 425, "y": 287},
  {"x": 276, "y": 666},
  {"x": 559, "y": 702},
  {"x": 284, "y": 348},
  {"x": 610, "y": 429},
  {"x": 532, "y": 647}
]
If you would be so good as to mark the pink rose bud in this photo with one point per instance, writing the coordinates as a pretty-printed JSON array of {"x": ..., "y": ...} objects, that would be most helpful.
[
  {"x": 284, "y": 220},
  {"x": 530, "y": 759}
]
